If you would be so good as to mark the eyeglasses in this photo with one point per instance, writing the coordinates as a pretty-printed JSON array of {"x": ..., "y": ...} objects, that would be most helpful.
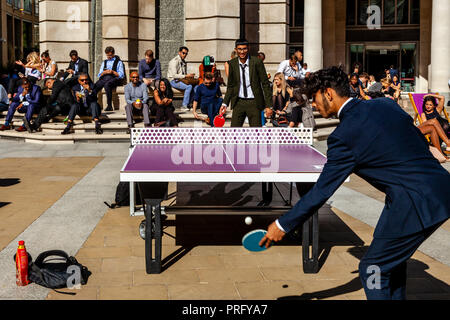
[
  {"x": 242, "y": 49},
  {"x": 184, "y": 53},
  {"x": 134, "y": 77},
  {"x": 84, "y": 80}
]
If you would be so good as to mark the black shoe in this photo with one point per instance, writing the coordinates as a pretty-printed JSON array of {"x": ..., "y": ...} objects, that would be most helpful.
[
  {"x": 27, "y": 125},
  {"x": 98, "y": 130},
  {"x": 109, "y": 108},
  {"x": 68, "y": 130}
]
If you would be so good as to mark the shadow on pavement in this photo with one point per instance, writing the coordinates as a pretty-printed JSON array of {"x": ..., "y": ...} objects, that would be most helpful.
[
  {"x": 9, "y": 182},
  {"x": 420, "y": 283}
]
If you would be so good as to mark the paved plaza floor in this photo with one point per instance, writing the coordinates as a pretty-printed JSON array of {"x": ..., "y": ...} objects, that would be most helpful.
[{"x": 52, "y": 197}]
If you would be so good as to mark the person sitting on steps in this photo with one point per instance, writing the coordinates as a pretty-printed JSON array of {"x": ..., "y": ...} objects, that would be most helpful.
[
  {"x": 163, "y": 106},
  {"x": 111, "y": 75},
  {"x": 86, "y": 104},
  {"x": 136, "y": 96},
  {"x": 25, "y": 101},
  {"x": 60, "y": 102}
]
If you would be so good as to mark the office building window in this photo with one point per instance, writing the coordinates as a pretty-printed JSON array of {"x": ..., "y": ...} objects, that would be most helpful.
[
  {"x": 27, "y": 5},
  {"x": 297, "y": 16},
  {"x": 394, "y": 12}
]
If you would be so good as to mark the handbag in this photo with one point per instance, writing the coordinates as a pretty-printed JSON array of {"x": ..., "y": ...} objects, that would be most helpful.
[
  {"x": 308, "y": 116},
  {"x": 190, "y": 81}
]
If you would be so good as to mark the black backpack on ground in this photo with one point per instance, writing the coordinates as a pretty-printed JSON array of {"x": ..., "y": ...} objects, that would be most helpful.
[
  {"x": 122, "y": 198},
  {"x": 54, "y": 273}
]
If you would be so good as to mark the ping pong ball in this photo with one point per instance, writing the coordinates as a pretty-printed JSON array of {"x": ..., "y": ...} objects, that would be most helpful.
[{"x": 248, "y": 221}]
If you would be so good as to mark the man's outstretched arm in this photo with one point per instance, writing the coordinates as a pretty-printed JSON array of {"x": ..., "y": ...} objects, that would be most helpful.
[{"x": 339, "y": 166}]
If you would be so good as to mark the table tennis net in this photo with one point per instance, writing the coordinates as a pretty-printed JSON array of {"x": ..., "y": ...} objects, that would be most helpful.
[{"x": 285, "y": 136}]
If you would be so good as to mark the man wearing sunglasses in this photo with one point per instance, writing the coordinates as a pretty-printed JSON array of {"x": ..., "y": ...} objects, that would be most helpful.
[
  {"x": 136, "y": 96},
  {"x": 86, "y": 104},
  {"x": 178, "y": 71}
]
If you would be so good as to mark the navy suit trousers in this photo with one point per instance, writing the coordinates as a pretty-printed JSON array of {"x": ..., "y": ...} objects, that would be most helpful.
[{"x": 383, "y": 268}]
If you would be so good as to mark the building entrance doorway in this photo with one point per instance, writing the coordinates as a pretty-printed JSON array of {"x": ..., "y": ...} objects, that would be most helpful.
[
  {"x": 377, "y": 61},
  {"x": 375, "y": 58}
]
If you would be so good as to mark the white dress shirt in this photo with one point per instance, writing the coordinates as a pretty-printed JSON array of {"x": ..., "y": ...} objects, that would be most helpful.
[
  {"x": 339, "y": 113},
  {"x": 250, "y": 94},
  {"x": 288, "y": 71}
]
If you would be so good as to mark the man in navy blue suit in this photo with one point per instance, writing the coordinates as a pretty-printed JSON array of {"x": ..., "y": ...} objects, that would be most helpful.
[{"x": 377, "y": 141}]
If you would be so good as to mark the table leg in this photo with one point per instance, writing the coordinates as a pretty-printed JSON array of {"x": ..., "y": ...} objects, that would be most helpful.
[
  {"x": 310, "y": 244},
  {"x": 310, "y": 235},
  {"x": 132, "y": 200},
  {"x": 267, "y": 192},
  {"x": 153, "y": 235}
]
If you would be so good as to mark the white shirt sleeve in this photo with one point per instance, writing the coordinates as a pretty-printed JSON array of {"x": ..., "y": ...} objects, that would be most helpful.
[{"x": 279, "y": 226}]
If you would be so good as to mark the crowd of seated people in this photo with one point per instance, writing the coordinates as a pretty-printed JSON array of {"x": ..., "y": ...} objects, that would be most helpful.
[{"x": 72, "y": 92}]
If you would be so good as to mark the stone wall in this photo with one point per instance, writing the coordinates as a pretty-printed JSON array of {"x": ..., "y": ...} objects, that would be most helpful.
[
  {"x": 211, "y": 29},
  {"x": 65, "y": 25},
  {"x": 171, "y": 31}
]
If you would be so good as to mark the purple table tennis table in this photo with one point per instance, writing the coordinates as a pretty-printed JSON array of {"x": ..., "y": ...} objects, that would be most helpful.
[{"x": 266, "y": 155}]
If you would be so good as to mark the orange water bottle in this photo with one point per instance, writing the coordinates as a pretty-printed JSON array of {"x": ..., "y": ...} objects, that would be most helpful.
[{"x": 22, "y": 265}]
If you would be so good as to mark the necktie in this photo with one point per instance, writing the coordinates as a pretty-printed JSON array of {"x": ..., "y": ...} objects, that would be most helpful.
[{"x": 244, "y": 81}]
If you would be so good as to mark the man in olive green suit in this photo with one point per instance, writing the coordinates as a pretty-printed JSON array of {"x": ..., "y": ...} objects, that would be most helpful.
[{"x": 248, "y": 88}]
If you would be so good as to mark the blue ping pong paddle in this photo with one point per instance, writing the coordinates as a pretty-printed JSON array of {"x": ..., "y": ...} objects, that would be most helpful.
[{"x": 252, "y": 239}]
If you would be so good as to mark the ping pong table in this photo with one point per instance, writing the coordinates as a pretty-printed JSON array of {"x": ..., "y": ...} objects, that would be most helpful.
[{"x": 260, "y": 155}]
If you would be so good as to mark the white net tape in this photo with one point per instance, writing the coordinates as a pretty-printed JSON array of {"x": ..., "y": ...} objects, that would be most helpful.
[{"x": 222, "y": 136}]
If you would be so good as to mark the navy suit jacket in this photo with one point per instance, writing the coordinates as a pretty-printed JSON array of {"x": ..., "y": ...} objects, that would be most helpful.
[
  {"x": 35, "y": 95},
  {"x": 90, "y": 98},
  {"x": 378, "y": 141}
]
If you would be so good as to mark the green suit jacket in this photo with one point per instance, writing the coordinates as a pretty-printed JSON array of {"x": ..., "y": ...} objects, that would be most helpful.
[{"x": 259, "y": 83}]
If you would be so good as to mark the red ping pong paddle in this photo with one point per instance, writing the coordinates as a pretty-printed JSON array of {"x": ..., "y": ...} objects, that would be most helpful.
[{"x": 219, "y": 121}]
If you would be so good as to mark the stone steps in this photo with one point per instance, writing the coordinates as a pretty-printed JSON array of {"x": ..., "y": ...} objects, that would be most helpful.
[{"x": 116, "y": 126}]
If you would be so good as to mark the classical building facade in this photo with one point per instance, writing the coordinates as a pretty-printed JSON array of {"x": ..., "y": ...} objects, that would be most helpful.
[
  {"x": 19, "y": 29},
  {"x": 412, "y": 35}
]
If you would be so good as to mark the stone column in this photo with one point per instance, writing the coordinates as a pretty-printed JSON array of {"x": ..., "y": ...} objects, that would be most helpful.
[
  {"x": 313, "y": 54},
  {"x": 64, "y": 26},
  {"x": 171, "y": 31},
  {"x": 273, "y": 33},
  {"x": 211, "y": 30},
  {"x": 440, "y": 46}
]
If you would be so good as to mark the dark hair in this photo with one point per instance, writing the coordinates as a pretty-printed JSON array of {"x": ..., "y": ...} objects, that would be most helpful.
[
  {"x": 73, "y": 53},
  {"x": 149, "y": 53},
  {"x": 209, "y": 75},
  {"x": 261, "y": 54},
  {"x": 333, "y": 77},
  {"x": 298, "y": 50},
  {"x": 169, "y": 92},
  {"x": 83, "y": 74},
  {"x": 47, "y": 80},
  {"x": 426, "y": 99},
  {"x": 183, "y": 48},
  {"x": 304, "y": 64},
  {"x": 354, "y": 75},
  {"x": 110, "y": 50},
  {"x": 24, "y": 80},
  {"x": 364, "y": 75},
  {"x": 241, "y": 42},
  {"x": 297, "y": 94},
  {"x": 293, "y": 57},
  {"x": 45, "y": 54}
]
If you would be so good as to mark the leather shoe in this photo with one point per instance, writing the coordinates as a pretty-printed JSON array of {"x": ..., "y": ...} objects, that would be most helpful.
[
  {"x": 68, "y": 130},
  {"x": 3, "y": 128},
  {"x": 98, "y": 130},
  {"x": 109, "y": 108},
  {"x": 21, "y": 129}
]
